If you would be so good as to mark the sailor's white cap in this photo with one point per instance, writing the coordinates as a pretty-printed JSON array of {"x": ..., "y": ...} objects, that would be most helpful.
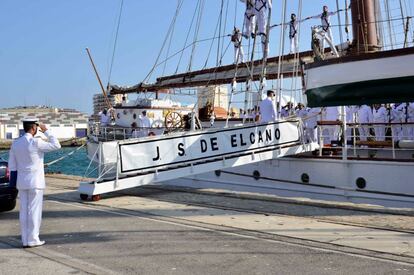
[{"x": 31, "y": 120}]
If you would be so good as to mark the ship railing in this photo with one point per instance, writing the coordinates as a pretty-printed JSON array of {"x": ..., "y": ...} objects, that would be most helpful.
[
  {"x": 394, "y": 138},
  {"x": 113, "y": 132}
]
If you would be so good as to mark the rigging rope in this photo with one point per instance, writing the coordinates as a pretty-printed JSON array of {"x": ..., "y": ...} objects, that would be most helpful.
[
  {"x": 281, "y": 52},
  {"x": 163, "y": 44},
  {"x": 196, "y": 31},
  {"x": 179, "y": 4},
  {"x": 115, "y": 43}
]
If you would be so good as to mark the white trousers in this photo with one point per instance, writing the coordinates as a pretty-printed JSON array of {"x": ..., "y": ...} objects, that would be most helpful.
[
  {"x": 294, "y": 44},
  {"x": 410, "y": 130},
  {"x": 249, "y": 23},
  {"x": 30, "y": 216},
  {"x": 396, "y": 131},
  {"x": 379, "y": 133},
  {"x": 238, "y": 54},
  {"x": 363, "y": 132},
  {"x": 261, "y": 17},
  {"x": 330, "y": 133},
  {"x": 311, "y": 134},
  {"x": 328, "y": 37}
]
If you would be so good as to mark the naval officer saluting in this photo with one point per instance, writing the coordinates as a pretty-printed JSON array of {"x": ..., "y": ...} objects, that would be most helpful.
[{"x": 26, "y": 158}]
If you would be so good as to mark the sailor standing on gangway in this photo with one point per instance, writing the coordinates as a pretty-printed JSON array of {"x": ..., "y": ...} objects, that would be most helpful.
[{"x": 268, "y": 108}]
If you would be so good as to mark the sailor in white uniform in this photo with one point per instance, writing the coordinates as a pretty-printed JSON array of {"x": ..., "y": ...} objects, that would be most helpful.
[
  {"x": 379, "y": 116},
  {"x": 350, "y": 118},
  {"x": 105, "y": 117},
  {"x": 311, "y": 123},
  {"x": 364, "y": 116},
  {"x": 333, "y": 114},
  {"x": 293, "y": 33},
  {"x": 325, "y": 17},
  {"x": 410, "y": 119},
  {"x": 268, "y": 108},
  {"x": 405, "y": 109},
  {"x": 236, "y": 38},
  {"x": 396, "y": 117},
  {"x": 26, "y": 158},
  {"x": 249, "y": 18},
  {"x": 261, "y": 10},
  {"x": 145, "y": 123}
]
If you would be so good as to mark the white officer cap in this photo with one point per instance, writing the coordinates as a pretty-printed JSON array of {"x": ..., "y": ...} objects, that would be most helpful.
[{"x": 31, "y": 120}]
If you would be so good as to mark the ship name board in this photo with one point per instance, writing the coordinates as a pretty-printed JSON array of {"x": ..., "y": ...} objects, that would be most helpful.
[{"x": 204, "y": 146}]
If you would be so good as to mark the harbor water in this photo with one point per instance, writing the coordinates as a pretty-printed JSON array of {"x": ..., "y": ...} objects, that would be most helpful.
[{"x": 75, "y": 164}]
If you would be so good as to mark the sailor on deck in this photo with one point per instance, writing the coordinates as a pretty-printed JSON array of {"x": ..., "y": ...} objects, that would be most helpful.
[
  {"x": 236, "y": 38},
  {"x": 311, "y": 124},
  {"x": 105, "y": 117},
  {"x": 405, "y": 117},
  {"x": 145, "y": 123},
  {"x": 268, "y": 108},
  {"x": 379, "y": 116},
  {"x": 26, "y": 158},
  {"x": 350, "y": 118},
  {"x": 396, "y": 117},
  {"x": 332, "y": 114},
  {"x": 325, "y": 17},
  {"x": 410, "y": 119},
  {"x": 364, "y": 116}
]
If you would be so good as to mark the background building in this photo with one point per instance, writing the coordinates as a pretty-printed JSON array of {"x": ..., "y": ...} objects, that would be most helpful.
[
  {"x": 65, "y": 123},
  {"x": 99, "y": 102}
]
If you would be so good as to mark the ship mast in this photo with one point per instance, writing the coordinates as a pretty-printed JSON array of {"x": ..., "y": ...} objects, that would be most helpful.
[{"x": 364, "y": 26}]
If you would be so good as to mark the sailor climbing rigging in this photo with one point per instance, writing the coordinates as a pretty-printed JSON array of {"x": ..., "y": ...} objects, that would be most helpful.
[
  {"x": 326, "y": 31},
  {"x": 236, "y": 38},
  {"x": 249, "y": 18},
  {"x": 293, "y": 33},
  {"x": 261, "y": 11}
]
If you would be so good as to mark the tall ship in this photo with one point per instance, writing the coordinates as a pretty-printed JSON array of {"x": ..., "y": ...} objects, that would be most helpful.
[{"x": 221, "y": 141}]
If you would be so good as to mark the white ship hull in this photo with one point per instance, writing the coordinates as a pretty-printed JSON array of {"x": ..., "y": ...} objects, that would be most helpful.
[{"x": 387, "y": 183}]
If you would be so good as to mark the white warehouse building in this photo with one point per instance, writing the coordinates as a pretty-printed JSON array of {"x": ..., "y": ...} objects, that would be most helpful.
[{"x": 65, "y": 123}]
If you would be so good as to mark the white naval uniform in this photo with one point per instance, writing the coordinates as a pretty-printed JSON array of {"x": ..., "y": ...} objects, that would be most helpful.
[
  {"x": 364, "y": 116},
  {"x": 249, "y": 18},
  {"x": 405, "y": 129},
  {"x": 411, "y": 120},
  {"x": 238, "y": 48},
  {"x": 326, "y": 27},
  {"x": 293, "y": 35},
  {"x": 379, "y": 116},
  {"x": 294, "y": 41},
  {"x": 332, "y": 114},
  {"x": 261, "y": 8},
  {"x": 396, "y": 117},
  {"x": 350, "y": 118},
  {"x": 105, "y": 119},
  {"x": 145, "y": 123},
  {"x": 267, "y": 110},
  {"x": 311, "y": 123},
  {"x": 26, "y": 157}
]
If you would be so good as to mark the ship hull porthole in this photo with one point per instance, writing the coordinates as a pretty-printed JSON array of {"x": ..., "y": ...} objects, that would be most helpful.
[
  {"x": 305, "y": 178},
  {"x": 218, "y": 173},
  {"x": 256, "y": 175},
  {"x": 361, "y": 183}
]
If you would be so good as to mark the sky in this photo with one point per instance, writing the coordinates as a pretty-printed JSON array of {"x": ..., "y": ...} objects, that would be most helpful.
[{"x": 42, "y": 52}]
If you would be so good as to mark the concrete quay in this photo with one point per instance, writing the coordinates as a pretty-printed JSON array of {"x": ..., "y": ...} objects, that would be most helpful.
[{"x": 167, "y": 230}]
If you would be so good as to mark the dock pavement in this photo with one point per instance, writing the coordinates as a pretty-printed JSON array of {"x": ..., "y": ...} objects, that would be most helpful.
[{"x": 173, "y": 230}]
